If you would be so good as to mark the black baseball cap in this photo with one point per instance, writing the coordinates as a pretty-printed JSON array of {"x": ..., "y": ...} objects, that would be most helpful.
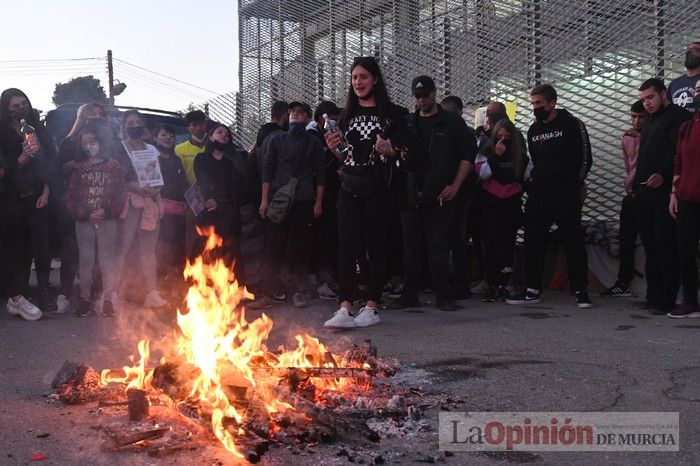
[
  {"x": 326, "y": 107},
  {"x": 422, "y": 85},
  {"x": 305, "y": 106}
]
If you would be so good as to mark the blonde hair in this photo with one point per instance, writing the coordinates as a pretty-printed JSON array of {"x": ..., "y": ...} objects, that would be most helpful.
[{"x": 81, "y": 117}]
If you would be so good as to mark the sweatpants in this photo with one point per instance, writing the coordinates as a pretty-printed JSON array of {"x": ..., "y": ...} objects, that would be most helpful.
[
  {"x": 293, "y": 236},
  {"x": 363, "y": 225},
  {"x": 427, "y": 228},
  {"x": 501, "y": 219},
  {"x": 544, "y": 207},
  {"x": 658, "y": 233},
  {"x": 102, "y": 235},
  {"x": 128, "y": 230},
  {"x": 688, "y": 226}
]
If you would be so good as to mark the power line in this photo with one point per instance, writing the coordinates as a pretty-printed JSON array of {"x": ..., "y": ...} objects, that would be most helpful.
[
  {"x": 166, "y": 76},
  {"x": 52, "y": 60}
]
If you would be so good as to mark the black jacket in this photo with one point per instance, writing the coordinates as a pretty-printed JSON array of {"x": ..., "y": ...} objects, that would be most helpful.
[
  {"x": 41, "y": 168},
  {"x": 560, "y": 151},
  {"x": 450, "y": 143},
  {"x": 657, "y": 146}
]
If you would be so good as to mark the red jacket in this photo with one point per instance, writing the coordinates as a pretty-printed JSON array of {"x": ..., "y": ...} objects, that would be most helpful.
[
  {"x": 101, "y": 186},
  {"x": 687, "y": 161}
]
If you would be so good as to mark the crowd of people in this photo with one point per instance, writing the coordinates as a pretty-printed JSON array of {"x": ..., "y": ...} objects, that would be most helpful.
[{"x": 356, "y": 204}]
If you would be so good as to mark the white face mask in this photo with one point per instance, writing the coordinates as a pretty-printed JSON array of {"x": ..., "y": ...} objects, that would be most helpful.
[{"x": 92, "y": 149}]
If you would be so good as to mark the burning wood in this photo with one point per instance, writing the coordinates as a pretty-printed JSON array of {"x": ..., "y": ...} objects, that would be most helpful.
[{"x": 118, "y": 442}]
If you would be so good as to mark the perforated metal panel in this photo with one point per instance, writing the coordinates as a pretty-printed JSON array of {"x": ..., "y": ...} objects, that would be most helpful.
[{"x": 595, "y": 52}]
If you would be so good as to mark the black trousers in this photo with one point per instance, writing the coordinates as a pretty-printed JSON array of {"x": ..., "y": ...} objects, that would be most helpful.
[
  {"x": 363, "y": 225},
  {"x": 427, "y": 228},
  {"x": 68, "y": 247},
  {"x": 474, "y": 231},
  {"x": 325, "y": 238},
  {"x": 688, "y": 226},
  {"x": 293, "y": 235},
  {"x": 458, "y": 243},
  {"x": 501, "y": 220},
  {"x": 658, "y": 233},
  {"x": 226, "y": 220},
  {"x": 629, "y": 229},
  {"x": 170, "y": 249},
  {"x": 563, "y": 207},
  {"x": 28, "y": 238}
]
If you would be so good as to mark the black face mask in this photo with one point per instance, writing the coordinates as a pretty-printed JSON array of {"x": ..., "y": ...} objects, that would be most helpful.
[
  {"x": 20, "y": 113},
  {"x": 541, "y": 113},
  {"x": 691, "y": 60},
  {"x": 134, "y": 132},
  {"x": 218, "y": 145},
  {"x": 495, "y": 117}
]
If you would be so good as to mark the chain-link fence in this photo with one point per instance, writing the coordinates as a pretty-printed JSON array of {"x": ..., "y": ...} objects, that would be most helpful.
[{"x": 595, "y": 52}]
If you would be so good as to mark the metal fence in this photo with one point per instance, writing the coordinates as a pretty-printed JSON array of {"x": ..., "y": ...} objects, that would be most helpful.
[{"x": 595, "y": 52}]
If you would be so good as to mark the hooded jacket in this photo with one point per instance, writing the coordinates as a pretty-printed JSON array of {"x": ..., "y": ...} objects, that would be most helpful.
[
  {"x": 101, "y": 186},
  {"x": 687, "y": 164},
  {"x": 560, "y": 152}
]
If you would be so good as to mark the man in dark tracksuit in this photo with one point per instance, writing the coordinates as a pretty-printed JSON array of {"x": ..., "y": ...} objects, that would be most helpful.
[
  {"x": 429, "y": 204},
  {"x": 561, "y": 157},
  {"x": 651, "y": 190}
]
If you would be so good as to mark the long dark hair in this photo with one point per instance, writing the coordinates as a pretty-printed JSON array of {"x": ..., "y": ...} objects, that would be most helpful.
[
  {"x": 230, "y": 149},
  {"x": 379, "y": 91},
  {"x": 515, "y": 150},
  {"x": 5, "y": 97}
]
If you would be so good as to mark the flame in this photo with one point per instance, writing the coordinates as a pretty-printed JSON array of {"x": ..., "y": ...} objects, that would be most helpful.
[{"x": 215, "y": 337}]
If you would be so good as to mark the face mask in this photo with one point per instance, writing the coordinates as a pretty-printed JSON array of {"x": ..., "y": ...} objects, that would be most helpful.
[
  {"x": 541, "y": 113},
  {"x": 495, "y": 117},
  {"x": 134, "y": 132},
  {"x": 20, "y": 113},
  {"x": 296, "y": 126},
  {"x": 92, "y": 149},
  {"x": 218, "y": 145},
  {"x": 196, "y": 139},
  {"x": 691, "y": 60}
]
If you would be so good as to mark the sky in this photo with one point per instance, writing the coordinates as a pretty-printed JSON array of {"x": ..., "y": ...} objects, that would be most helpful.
[{"x": 185, "y": 41}]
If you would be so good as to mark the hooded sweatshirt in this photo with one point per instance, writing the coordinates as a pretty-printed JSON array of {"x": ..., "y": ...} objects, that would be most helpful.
[
  {"x": 101, "y": 186},
  {"x": 630, "y": 151},
  {"x": 560, "y": 151},
  {"x": 687, "y": 163}
]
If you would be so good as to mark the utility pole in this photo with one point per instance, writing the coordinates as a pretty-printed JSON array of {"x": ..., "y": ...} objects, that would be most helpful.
[{"x": 110, "y": 73}]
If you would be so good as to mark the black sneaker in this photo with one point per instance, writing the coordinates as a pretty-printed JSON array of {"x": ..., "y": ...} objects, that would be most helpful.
[
  {"x": 524, "y": 297},
  {"x": 447, "y": 305},
  {"x": 403, "y": 302},
  {"x": 490, "y": 296},
  {"x": 84, "y": 308},
  {"x": 107, "y": 309},
  {"x": 618, "y": 289},
  {"x": 582, "y": 300},
  {"x": 502, "y": 294}
]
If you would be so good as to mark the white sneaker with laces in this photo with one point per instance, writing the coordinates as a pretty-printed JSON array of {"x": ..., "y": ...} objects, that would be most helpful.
[
  {"x": 325, "y": 292},
  {"x": 479, "y": 288},
  {"x": 341, "y": 319},
  {"x": 154, "y": 299},
  {"x": 367, "y": 317},
  {"x": 62, "y": 304},
  {"x": 22, "y": 307}
]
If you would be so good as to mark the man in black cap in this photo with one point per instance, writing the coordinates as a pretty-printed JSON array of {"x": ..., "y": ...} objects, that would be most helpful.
[
  {"x": 428, "y": 198},
  {"x": 293, "y": 153}
]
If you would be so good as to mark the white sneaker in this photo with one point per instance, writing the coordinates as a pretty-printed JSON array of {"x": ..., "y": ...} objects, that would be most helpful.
[
  {"x": 154, "y": 299},
  {"x": 367, "y": 317},
  {"x": 24, "y": 308},
  {"x": 341, "y": 319},
  {"x": 479, "y": 288},
  {"x": 62, "y": 304},
  {"x": 325, "y": 292}
]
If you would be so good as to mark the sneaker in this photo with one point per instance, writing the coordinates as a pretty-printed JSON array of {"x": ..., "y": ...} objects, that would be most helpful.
[
  {"x": 402, "y": 302},
  {"x": 299, "y": 300},
  {"x": 84, "y": 308},
  {"x": 22, "y": 307},
  {"x": 618, "y": 289},
  {"x": 582, "y": 300},
  {"x": 367, "y": 317},
  {"x": 396, "y": 291},
  {"x": 279, "y": 297},
  {"x": 154, "y": 300},
  {"x": 480, "y": 288},
  {"x": 524, "y": 297},
  {"x": 62, "y": 304},
  {"x": 501, "y": 294},
  {"x": 461, "y": 293},
  {"x": 447, "y": 305},
  {"x": 490, "y": 296},
  {"x": 325, "y": 292},
  {"x": 341, "y": 319},
  {"x": 388, "y": 288},
  {"x": 261, "y": 302},
  {"x": 685, "y": 311},
  {"x": 107, "y": 309}
]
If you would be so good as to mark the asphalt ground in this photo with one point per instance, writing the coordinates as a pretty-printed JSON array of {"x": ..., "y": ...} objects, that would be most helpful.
[{"x": 492, "y": 357}]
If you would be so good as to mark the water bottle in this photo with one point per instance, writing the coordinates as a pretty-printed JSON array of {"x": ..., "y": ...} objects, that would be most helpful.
[
  {"x": 30, "y": 136},
  {"x": 331, "y": 126}
]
